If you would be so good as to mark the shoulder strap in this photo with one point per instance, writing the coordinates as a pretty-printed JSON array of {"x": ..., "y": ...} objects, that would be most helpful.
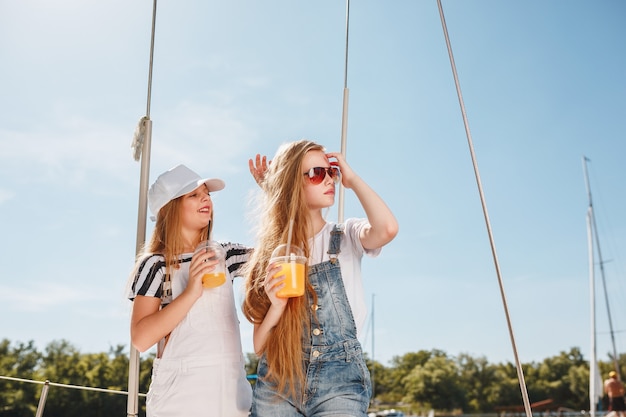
[{"x": 334, "y": 246}]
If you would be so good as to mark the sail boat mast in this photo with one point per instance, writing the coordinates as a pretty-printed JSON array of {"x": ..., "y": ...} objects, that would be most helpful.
[
  {"x": 344, "y": 115},
  {"x": 600, "y": 261},
  {"x": 593, "y": 395},
  {"x": 141, "y": 151}
]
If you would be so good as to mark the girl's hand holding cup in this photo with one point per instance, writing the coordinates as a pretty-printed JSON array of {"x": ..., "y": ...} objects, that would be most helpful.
[
  {"x": 290, "y": 264},
  {"x": 209, "y": 260},
  {"x": 274, "y": 282}
]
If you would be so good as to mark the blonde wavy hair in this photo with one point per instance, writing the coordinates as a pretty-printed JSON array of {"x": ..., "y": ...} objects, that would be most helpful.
[
  {"x": 283, "y": 199},
  {"x": 167, "y": 238}
]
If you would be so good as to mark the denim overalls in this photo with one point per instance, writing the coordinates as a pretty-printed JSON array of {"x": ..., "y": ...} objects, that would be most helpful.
[{"x": 337, "y": 379}]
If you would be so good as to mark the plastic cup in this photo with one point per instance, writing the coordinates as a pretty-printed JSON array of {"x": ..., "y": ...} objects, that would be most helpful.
[
  {"x": 216, "y": 277},
  {"x": 292, "y": 267}
]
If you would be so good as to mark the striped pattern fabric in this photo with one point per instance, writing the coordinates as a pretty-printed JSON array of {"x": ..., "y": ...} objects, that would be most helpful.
[{"x": 151, "y": 280}]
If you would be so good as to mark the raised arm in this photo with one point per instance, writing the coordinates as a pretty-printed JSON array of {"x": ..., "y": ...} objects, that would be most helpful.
[{"x": 383, "y": 224}]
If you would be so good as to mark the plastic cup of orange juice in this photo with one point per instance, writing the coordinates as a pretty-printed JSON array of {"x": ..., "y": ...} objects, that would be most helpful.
[
  {"x": 216, "y": 277},
  {"x": 292, "y": 267}
]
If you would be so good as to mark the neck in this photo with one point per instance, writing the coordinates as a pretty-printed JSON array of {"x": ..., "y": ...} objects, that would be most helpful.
[
  {"x": 191, "y": 240},
  {"x": 317, "y": 222}
]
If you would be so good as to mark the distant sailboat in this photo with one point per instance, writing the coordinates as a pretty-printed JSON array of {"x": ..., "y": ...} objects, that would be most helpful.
[{"x": 595, "y": 379}]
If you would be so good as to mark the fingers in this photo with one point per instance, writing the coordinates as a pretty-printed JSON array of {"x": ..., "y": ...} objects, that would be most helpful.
[
  {"x": 340, "y": 160},
  {"x": 336, "y": 155},
  {"x": 201, "y": 264},
  {"x": 347, "y": 175},
  {"x": 258, "y": 167},
  {"x": 251, "y": 166},
  {"x": 274, "y": 282}
]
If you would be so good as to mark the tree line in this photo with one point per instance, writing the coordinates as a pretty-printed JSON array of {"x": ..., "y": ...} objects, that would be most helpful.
[{"x": 414, "y": 382}]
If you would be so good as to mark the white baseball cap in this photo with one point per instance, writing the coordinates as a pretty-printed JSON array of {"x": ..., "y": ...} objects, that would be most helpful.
[{"x": 177, "y": 182}]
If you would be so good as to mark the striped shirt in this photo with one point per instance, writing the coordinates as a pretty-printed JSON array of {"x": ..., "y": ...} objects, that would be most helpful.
[{"x": 150, "y": 279}]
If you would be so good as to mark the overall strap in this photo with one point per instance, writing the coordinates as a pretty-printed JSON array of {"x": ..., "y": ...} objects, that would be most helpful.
[
  {"x": 166, "y": 290},
  {"x": 334, "y": 246},
  {"x": 166, "y": 298}
]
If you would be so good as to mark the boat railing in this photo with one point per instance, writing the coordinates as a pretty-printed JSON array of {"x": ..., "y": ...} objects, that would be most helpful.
[{"x": 47, "y": 384}]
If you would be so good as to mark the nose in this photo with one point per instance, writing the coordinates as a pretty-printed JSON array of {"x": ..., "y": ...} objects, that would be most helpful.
[{"x": 331, "y": 175}]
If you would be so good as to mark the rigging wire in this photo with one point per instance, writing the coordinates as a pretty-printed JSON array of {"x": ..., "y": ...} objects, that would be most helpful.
[
  {"x": 520, "y": 372},
  {"x": 615, "y": 282}
]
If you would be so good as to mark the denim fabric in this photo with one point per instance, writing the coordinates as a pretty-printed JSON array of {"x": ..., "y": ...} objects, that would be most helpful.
[{"x": 337, "y": 379}]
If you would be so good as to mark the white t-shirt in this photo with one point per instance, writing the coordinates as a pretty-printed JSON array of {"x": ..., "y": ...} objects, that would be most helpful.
[{"x": 350, "y": 260}]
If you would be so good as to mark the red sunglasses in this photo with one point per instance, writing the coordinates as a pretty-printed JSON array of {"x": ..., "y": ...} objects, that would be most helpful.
[{"x": 317, "y": 174}]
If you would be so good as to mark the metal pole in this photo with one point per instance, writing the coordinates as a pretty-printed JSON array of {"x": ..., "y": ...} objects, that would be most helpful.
[
  {"x": 134, "y": 359},
  {"x": 132, "y": 408},
  {"x": 42, "y": 399},
  {"x": 592, "y": 302},
  {"x": 518, "y": 364},
  {"x": 344, "y": 116}
]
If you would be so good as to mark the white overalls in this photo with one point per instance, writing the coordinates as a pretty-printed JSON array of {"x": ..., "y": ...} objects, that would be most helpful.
[{"x": 201, "y": 371}]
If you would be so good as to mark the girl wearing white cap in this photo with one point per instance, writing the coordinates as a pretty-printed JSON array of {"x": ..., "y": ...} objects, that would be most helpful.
[{"x": 199, "y": 369}]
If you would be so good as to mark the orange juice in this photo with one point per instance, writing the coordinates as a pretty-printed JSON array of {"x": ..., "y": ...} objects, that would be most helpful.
[
  {"x": 294, "y": 277},
  {"x": 213, "y": 279},
  {"x": 217, "y": 276}
]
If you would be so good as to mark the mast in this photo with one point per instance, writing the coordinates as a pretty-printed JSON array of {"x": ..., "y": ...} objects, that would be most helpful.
[
  {"x": 594, "y": 231},
  {"x": 141, "y": 146},
  {"x": 593, "y": 396},
  {"x": 344, "y": 115}
]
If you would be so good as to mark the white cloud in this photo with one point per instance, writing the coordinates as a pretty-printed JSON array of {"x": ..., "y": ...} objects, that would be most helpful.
[
  {"x": 44, "y": 297},
  {"x": 65, "y": 154}
]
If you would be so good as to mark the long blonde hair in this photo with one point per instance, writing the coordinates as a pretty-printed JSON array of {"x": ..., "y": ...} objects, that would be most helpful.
[{"x": 283, "y": 195}]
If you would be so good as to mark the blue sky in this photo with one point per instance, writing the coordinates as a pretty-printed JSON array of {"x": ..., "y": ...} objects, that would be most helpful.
[{"x": 543, "y": 85}]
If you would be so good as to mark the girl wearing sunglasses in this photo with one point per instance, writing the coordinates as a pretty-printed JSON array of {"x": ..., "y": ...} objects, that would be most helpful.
[{"x": 311, "y": 362}]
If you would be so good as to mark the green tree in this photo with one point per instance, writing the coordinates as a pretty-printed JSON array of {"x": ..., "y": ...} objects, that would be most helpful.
[
  {"x": 380, "y": 378},
  {"x": 63, "y": 363},
  {"x": 391, "y": 383},
  {"x": 479, "y": 380},
  {"x": 435, "y": 385},
  {"x": 424, "y": 379},
  {"x": 506, "y": 390},
  {"x": 552, "y": 379},
  {"x": 107, "y": 371},
  {"x": 58, "y": 366},
  {"x": 18, "y": 399},
  {"x": 578, "y": 377}
]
